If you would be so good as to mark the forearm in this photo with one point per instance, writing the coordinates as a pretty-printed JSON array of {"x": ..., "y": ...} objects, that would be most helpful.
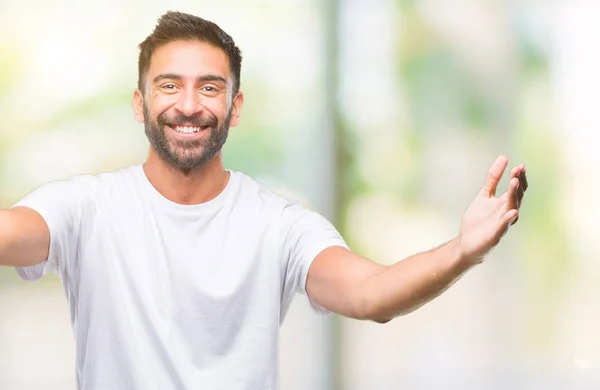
[
  {"x": 412, "y": 282},
  {"x": 24, "y": 237}
]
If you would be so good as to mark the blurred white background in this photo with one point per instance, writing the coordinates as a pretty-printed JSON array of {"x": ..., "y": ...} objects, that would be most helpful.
[{"x": 384, "y": 116}]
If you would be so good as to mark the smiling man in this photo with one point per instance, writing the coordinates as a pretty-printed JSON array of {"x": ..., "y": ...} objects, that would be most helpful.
[{"x": 179, "y": 272}]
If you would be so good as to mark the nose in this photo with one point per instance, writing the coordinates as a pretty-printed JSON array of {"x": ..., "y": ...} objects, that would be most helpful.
[{"x": 189, "y": 103}]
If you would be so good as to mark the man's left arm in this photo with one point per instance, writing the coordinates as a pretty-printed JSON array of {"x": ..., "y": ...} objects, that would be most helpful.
[{"x": 350, "y": 285}]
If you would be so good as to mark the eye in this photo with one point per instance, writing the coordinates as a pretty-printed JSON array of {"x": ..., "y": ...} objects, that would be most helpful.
[
  {"x": 209, "y": 88},
  {"x": 169, "y": 87}
]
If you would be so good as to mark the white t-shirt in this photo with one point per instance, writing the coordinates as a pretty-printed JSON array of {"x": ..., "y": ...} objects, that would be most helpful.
[{"x": 169, "y": 296}]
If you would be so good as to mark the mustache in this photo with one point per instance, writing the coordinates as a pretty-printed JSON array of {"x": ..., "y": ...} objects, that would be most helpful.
[{"x": 195, "y": 120}]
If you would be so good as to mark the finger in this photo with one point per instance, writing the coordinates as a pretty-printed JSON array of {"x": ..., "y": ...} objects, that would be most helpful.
[
  {"x": 524, "y": 183},
  {"x": 510, "y": 218},
  {"x": 515, "y": 172},
  {"x": 494, "y": 175},
  {"x": 520, "y": 191},
  {"x": 512, "y": 197}
]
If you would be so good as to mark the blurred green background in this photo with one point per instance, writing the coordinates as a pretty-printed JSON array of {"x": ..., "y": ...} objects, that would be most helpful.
[{"x": 384, "y": 116}]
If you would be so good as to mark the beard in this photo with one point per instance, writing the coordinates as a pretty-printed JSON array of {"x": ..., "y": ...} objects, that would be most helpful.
[{"x": 186, "y": 154}]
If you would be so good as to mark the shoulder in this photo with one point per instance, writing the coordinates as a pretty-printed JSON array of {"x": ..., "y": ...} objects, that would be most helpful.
[
  {"x": 266, "y": 193},
  {"x": 91, "y": 185},
  {"x": 282, "y": 205}
]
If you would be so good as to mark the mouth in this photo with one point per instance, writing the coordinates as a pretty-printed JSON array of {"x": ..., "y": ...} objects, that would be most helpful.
[{"x": 188, "y": 130}]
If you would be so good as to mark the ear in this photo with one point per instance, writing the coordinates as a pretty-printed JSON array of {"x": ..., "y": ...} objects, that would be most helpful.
[
  {"x": 237, "y": 104},
  {"x": 138, "y": 106}
]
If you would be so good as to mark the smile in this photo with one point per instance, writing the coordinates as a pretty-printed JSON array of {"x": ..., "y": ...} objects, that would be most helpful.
[
  {"x": 186, "y": 129},
  {"x": 189, "y": 132}
]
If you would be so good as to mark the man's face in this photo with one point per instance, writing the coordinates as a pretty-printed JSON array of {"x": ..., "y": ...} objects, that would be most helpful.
[{"x": 187, "y": 103}]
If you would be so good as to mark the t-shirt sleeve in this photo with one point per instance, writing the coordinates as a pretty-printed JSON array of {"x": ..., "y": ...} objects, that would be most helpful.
[
  {"x": 304, "y": 234},
  {"x": 59, "y": 203}
]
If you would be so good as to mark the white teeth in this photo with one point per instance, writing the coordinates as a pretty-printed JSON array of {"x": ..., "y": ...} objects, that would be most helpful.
[{"x": 185, "y": 129}]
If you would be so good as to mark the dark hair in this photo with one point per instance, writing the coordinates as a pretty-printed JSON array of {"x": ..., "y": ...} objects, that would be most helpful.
[{"x": 177, "y": 26}]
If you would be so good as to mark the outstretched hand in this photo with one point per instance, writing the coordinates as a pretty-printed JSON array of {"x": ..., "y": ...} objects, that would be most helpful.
[{"x": 488, "y": 218}]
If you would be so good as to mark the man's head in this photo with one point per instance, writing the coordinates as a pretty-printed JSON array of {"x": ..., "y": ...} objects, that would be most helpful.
[{"x": 188, "y": 89}]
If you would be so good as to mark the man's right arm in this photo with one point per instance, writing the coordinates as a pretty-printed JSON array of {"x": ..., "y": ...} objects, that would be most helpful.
[{"x": 24, "y": 237}]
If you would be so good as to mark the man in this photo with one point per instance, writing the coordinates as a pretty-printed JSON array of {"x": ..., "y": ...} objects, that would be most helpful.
[{"x": 179, "y": 272}]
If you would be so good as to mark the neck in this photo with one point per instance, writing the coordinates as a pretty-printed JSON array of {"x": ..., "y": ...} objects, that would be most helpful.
[{"x": 186, "y": 186}]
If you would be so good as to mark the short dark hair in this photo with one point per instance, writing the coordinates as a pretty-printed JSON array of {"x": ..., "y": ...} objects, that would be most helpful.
[{"x": 178, "y": 26}]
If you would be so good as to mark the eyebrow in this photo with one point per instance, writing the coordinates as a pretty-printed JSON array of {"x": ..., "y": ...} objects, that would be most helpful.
[{"x": 204, "y": 78}]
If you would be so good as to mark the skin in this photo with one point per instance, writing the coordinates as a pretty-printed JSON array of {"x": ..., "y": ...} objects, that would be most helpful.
[
  {"x": 351, "y": 285},
  {"x": 187, "y": 79},
  {"x": 192, "y": 80}
]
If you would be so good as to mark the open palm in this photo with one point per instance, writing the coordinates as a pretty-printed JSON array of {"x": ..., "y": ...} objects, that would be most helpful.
[{"x": 488, "y": 217}]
